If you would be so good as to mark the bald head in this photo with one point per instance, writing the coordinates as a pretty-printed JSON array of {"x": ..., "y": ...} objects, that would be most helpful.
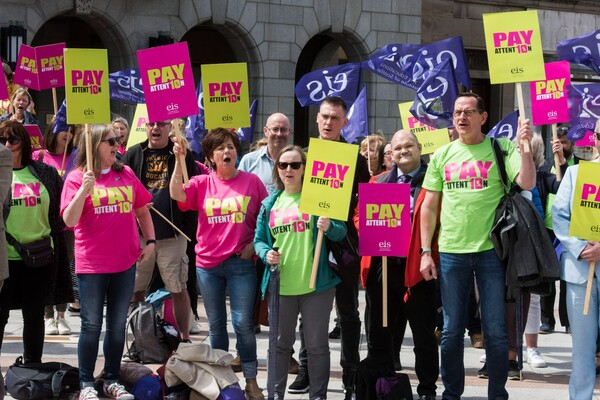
[
  {"x": 406, "y": 151},
  {"x": 277, "y": 130}
]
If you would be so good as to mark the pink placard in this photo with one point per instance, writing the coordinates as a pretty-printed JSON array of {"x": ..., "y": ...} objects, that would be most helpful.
[
  {"x": 384, "y": 219},
  {"x": 587, "y": 140},
  {"x": 549, "y": 97},
  {"x": 50, "y": 59},
  {"x": 37, "y": 140},
  {"x": 26, "y": 71},
  {"x": 3, "y": 87},
  {"x": 168, "y": 81}
]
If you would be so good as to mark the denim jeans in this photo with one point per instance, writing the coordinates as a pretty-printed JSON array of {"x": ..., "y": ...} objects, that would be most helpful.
[
  {"x": 584, "y": 331},
  {"x": 456, "y": 277},
  {"x": 117, "y": 288},
  {"x": 239, "y": 276}
]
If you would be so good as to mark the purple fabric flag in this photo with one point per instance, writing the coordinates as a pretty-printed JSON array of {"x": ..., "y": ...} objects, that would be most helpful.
[
  {"x": 584, "y": 109},
  {"x": 194, "y": 125},
  {"x": 60, "y": 122},
  {"x": 582, "y": 50},
  {"x": 246, "y": 134},
  {"x": 358, "y": 118},
  {"x": 126, "y": 86},
  {"x": 507, "y": 128},
  {"x": 408, "y": 64},
  {"x": 434, "y": 101},
  {"x": 341, "y": 80}
]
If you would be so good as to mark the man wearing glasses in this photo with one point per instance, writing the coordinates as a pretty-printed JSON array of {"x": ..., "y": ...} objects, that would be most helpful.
[
  {"x": 153, "y": 162},
  {"x": 260, "y": 162},
  {"x": 462, "y": 176}
]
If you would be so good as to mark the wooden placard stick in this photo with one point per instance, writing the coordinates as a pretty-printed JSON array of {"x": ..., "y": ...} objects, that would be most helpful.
[
  {"x": 384, "y": 290},
  {"x": 588, "y": 290},
  {"x": 315, "y": 266},
  {"x": 556, "y": 159},
  {"x": 170, "y": 223},
  {"x": 521, "y": 103},
  {"x": 88, "y": 151},
  {"x": 181, "y": 140}
]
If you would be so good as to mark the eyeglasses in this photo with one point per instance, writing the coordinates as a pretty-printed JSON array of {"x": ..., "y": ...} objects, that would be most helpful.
[
  {"x": 11, "y": 139},
  {"x": 468, "y": 113},
  {"x": 160, "y": 124},
  {"x": 113, "y": 140},
  {"x": 279, "y": 130},
  {"x": 294, "y": 165}
]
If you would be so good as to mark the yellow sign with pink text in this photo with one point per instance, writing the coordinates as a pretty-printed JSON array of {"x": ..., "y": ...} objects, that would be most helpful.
[
  {"x": 137, "y": 133},
  {"x": 430, "y": 138},
  {"x": 514, "y": 46},
  {"x": 585, "y": 215},
  {"x": 328, "y": 179}
]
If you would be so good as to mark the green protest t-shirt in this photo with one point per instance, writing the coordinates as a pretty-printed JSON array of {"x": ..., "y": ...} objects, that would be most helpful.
[
  {"x": 293, "y": 233},
  {"x": 471, "y": 189}
]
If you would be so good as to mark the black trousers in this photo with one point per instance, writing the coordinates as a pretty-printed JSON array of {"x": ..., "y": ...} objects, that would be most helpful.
[
  {"x": 27, "y": 287},
  {"x": 547, "y": 302},
  {"x": 419, "y": 311}
]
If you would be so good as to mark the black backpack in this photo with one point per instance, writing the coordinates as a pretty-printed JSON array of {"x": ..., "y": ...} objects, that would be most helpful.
[{"x": 50, "y": 380}]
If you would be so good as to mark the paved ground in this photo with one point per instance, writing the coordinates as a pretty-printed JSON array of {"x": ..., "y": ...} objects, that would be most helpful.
[{"x": 542, "y": 383}]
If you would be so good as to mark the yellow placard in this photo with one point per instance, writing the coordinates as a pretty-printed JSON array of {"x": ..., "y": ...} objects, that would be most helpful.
[
  {"x": 225, "y": 92},
  {"x": 86, "y": 86},
  {"x": 328, "y": 179},
  {"x": 514, "y": 47},
  {"x": 585, "y": 215},
  {"x": 430, "y": 138},
  {"x": 137, "y": 133}
]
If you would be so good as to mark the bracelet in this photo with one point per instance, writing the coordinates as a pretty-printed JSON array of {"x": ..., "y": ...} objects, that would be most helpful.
[{"x": 151, "y": 241}]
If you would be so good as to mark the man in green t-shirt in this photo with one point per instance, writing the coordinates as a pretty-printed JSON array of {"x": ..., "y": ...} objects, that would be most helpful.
[{"x": 463, "y": 176}]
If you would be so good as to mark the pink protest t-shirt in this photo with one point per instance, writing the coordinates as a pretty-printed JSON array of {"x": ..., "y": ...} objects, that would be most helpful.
[
  {"x": 106, "y": 236},
  {"x": 55, "y": 160},
  {"x": 227, "y": 213}
]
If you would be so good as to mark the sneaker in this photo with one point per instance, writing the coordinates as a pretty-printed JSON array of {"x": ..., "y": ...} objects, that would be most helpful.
[
  {"x": 194, "y": 327},
  {"x": 335, "y": 333},
  {"x": 73, "y": 312},
  {"x": 477, "y": 341},
  {"x": 51, "y": 327},
  {"x": 117, "y": 391},
  {"x": 514, "y": 373},
  {"x": 483, "y": 373},
  {"x": 88, "y": 393},
  {"x": 300, "y": 385},
  {"x": 63, "y": 326},
  {"x": 546, "y": 328},
  {"x": 482, "y": 359},
  {"x": 535, "y": 359}
]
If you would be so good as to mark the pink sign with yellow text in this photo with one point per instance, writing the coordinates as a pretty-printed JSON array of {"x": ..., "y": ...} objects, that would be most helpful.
[
  {"x": 50, "y": 59},
  {"x": 168, "y": 81},
  {"x": 549, "y": 97},
  {"x": 26, "y": 71},
  {"x": 37, "y": 140},
  {"x": 384, "y": 219}
]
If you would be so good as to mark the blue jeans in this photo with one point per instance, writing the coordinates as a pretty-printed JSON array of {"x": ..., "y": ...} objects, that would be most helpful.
[
  {"x": 584, "y": 330},
  {"x": 456, "y": 277},
  {"x": 117, "y": 288},
  {"x": 240, "y": 277}
]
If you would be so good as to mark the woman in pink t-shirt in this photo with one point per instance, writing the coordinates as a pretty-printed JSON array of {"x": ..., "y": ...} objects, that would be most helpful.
[
  {"x": 228, "y": 201},
  {"x": 105, "y": 264}
]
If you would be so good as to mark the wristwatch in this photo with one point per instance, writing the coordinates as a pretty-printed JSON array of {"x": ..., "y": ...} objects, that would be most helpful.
[{"x": 425, "y": 250}]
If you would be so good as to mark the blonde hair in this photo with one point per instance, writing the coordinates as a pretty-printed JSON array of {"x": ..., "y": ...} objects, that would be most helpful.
[
  {"x": 97, "y": 133},
  {"x": 22, "y": 91}
]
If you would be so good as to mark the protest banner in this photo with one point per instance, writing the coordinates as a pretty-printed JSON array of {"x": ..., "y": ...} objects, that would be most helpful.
[
  {"x": 137, "y": 134},
  {"x": 26, "y": 70},
  {"x": 37, "y": 140},
  {"x": 384, "y": 225},
  {"x": 582, "y": 50},
  {"x": 585, "y": 214},
  {"x": 327, "y": 185},
  {"x": 340, "y": 80},
  {"x": 50, "y": 65},
  {"x": 126, "y": 86},
  {"x": 358, "y": 118},
  {"x": 430, "y": 138},
  {"x": 226, "y": 99}
]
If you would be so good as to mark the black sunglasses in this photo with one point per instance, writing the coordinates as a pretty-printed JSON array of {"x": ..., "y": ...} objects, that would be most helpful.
[
  {"x": 11, "y": 139},
  {"x": 294, "y": 165},
  {"x": 113, "y": 140}
]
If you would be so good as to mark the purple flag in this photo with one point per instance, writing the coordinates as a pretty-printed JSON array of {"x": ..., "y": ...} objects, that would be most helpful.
[
  {"x": 341, "y": 80},
  {"x": 247, "y": 134},
  {"x": 60, "y": 121},
  {"x": 194, "y": 125},
  {"x": 507, "y": 128},
  {"x": 584, "y": 109},
  {"x": 408, "y": 64},
  {"x": 126, "y": 86},
  {"x": 358, "y": 118},
  {"x": 583, "y": 50},
  {"x": 434, "y": 101}
]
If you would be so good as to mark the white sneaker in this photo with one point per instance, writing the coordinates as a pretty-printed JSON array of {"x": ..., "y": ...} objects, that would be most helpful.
[
  {"x": 535, "y": 359},
  {"x": 88, "y": 393},
  {"x": 482, "y": 359},
  {"x": 63, "y": 326},
  {"x": 51, "y": 326},
  {"x": 117, "y": 391},
  {"x": 194, "y": 326}
]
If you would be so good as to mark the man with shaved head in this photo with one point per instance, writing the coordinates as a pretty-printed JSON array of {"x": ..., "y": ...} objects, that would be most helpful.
[{"x": 419, "y": 309}]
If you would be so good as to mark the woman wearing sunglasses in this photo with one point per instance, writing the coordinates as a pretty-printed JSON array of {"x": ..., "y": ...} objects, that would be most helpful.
[
  {"x": 105, "y": 268},
  {"x": 282, "y": 225},
  {"x": 227, "y": 201},
  {"x": 34, "y": 215}
]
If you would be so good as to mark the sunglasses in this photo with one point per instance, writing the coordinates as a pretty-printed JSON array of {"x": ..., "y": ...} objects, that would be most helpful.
[
  {"x": 11, "y": 139},
  {"x": 113, "y": 140},
  {"x": 294, "y": 165}
]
